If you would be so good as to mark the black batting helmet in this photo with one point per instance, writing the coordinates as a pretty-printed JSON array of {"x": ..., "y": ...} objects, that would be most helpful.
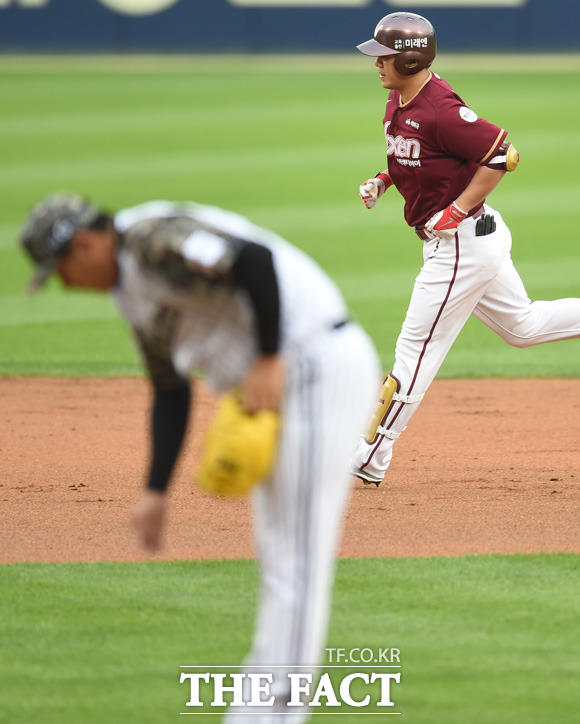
[{"x": 410, "y": 37}]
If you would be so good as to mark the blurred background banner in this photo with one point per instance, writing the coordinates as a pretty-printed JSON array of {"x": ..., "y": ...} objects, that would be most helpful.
[{"x": 277, "y": 25}]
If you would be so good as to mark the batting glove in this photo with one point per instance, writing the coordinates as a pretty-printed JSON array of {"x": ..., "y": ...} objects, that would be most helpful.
[
  {"x": 372, "y": 190},
  {"x": 444, "y": 223}
]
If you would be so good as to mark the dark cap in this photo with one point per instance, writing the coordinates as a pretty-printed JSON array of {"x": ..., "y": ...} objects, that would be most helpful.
[{"x": 49, "y": 230}]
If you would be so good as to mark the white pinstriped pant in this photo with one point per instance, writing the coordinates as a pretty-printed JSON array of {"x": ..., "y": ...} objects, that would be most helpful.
[
  {"x": 330, "y": 392},
  {"x": 462, "y": 276}
]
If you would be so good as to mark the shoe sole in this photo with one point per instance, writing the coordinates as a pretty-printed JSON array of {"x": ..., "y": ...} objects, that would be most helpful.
[{"x": 367, "y": 480}]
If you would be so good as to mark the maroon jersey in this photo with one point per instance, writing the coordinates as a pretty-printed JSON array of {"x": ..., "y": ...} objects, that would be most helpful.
[{"x": 435, "y": 144}]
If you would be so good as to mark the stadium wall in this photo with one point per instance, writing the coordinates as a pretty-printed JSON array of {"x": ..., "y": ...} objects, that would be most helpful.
[{"x": 277, "y": 25}]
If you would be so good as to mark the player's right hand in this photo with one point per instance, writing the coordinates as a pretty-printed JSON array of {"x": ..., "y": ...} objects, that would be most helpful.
[
  {"x": 149, "y": 519},
  {"x": 372, "y": 189}
]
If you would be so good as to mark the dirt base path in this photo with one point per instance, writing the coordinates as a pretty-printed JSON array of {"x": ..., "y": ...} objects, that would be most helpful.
[{"x": 486, "y": 466}]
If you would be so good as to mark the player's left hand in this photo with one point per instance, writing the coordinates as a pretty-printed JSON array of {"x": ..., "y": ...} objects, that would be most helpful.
[
  {"x": 444, "y": 223},
  {"x": 149, "y": 519},
  {"x": 263, "y": 385}
]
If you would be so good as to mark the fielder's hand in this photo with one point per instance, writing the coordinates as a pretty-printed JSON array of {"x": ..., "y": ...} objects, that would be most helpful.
[
  {"x": 263, "y": 385},
  {"x": 149, "y": 519},
  {"x": 372, "y": 190},
  {"x": 444, "y": 223}
]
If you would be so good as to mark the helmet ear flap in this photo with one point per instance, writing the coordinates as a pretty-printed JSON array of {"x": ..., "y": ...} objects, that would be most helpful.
[{"x": 410, "y": 62}]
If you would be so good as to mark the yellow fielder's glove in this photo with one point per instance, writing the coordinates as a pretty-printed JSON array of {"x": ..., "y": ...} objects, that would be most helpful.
[{"x": 239, "y": 449}]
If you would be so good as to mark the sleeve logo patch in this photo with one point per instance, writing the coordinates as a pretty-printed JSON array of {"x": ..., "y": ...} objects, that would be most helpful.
[
  {"x": 467, "y": 114},
  {"x": 205, "y": 248}
]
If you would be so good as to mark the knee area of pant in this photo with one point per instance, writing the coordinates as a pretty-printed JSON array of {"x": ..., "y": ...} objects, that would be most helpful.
[
  {"x": 519, "y": 342},
  {"x": 521, "y": 334}
]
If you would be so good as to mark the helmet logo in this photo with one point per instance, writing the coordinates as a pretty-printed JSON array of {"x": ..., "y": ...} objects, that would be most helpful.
[
  {"x": 61, "y": 233},
  {"x": 410, "y": 43}
]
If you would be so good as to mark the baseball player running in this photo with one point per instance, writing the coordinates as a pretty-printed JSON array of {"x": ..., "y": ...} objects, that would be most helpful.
[
  {"x": 206, "y": 291},
  {"x": 444, "y": 160}
]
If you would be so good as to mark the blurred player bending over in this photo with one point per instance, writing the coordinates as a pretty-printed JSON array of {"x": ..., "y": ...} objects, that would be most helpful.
[
  {"x": 444, "y": 160},
  {"x": 206, "y": 290}
]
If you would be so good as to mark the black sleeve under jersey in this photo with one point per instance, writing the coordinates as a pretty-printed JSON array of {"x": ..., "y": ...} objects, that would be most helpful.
[
  {"x": 169, "y": 416},
  {"x": 170, "y": 407},
  {"x": 254, "y": 271}
]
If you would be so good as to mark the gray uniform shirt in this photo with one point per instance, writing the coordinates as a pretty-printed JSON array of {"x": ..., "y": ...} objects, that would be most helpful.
[{"x": 175, "y": 289}]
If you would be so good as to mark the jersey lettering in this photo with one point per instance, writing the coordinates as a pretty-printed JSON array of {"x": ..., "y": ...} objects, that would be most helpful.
[
  {"x": 407, "y": 151},
  {"x": 402, "y": 147}
]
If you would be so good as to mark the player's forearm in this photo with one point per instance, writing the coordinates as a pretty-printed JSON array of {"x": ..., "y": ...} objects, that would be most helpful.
[
  {"x": 482, "y": 184},
  {"x": 168, "y": 425}
]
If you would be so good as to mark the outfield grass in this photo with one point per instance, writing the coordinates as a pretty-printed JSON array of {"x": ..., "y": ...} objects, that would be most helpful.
[
  {"x": 285, "y": 141},
  {"x": 483, "y": 639}
]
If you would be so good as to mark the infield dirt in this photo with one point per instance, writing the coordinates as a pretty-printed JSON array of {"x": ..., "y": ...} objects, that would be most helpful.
[{"x": 487, "y": 466}]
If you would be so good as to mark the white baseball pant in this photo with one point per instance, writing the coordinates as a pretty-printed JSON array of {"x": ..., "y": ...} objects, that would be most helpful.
[
  {"x": 465, "y": 275},
  {"x": 330, "y": 392}
]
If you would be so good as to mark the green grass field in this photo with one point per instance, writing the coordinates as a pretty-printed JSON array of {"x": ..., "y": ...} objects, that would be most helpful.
[
  {"x": 285, "y": 141},
  {"x": 483, "y": 639}
]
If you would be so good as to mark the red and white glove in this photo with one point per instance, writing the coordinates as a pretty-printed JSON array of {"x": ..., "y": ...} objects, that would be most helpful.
[
  {"x": 372, "y": 190},
  {"x": 444, "y": 223}
]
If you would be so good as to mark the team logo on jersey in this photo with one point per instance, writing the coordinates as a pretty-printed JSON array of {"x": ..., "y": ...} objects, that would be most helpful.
[
  {"x": 414, "y": 124},
  {"x": 467, "y": 114},
  {"x": 407, "y": 151}
]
